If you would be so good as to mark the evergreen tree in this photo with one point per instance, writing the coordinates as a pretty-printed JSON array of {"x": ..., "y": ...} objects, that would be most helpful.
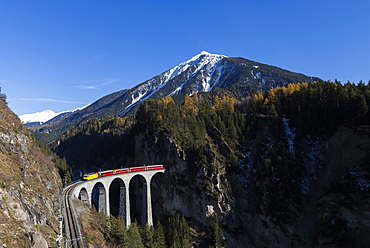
[
  {"x": 159, "y": 236},
  {"x": 134, "y": 237},
  {"x": 119, "y": 232},
  {"x": 147, "y": 236},
  {"x": 272, "y": 110},
  {"x": 2, "y": 97},
  {"x": 216, "y": 235},
  {"x": 219, "y": 236},
  {"x": 178, "y": 235},
  {"x": 361, "y": 109},
  {"x": 175, "y": 241},
  {"x": 67, "y": 179}
]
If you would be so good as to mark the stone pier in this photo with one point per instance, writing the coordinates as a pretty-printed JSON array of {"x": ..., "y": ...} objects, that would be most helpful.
[{"x": 84, "y": 192}]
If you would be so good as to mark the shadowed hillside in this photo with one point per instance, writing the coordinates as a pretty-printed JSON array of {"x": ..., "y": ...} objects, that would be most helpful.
[
  {"x": 29, "y": 187},
  {"x": 285, "y": 168}
]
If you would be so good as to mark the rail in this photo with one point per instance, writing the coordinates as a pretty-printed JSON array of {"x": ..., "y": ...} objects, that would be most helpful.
[{"x": 72, "y": 234}]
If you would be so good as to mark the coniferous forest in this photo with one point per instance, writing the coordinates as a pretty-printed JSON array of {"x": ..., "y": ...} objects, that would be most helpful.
[
  {"x": 311, "y": 108},
  {"x": 178, "y": 124},
  {"x": 258, "y": 139}
]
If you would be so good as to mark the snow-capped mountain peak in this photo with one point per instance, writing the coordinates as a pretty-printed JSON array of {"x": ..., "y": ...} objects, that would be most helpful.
[
  {"x": 40, "y": 117},
  {"x": 199, "y": 61},
  {"x": 202, "y": 66},
  {"x": 203, "y": 72},
  {"x": 204, "y": 55}
]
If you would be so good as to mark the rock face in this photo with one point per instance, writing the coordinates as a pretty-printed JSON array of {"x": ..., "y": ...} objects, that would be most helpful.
[
  {"x": 332, "y": 211},
  {"x": 340, "y": 197},
  {"x": 174, "y": 189},
  {"x": 182, "y": 189},
  {"x": 29, "y": 188}
]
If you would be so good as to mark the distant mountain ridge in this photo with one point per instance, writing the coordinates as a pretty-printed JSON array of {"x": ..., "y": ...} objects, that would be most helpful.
[
  {"x": 37, "y": 118},
  {"x": 44, "y": 117},
  {"x": 204, "y": 72}
]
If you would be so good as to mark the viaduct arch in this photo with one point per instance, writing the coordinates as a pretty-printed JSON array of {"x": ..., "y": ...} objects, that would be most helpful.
[{"x": 84, "y": 190}]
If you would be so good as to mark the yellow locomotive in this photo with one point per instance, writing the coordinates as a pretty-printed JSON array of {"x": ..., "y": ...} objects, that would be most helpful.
[{"x": 90, "y": 176}]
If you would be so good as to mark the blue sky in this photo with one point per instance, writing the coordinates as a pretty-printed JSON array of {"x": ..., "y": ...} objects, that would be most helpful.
[{"x": 61, "y": 55}]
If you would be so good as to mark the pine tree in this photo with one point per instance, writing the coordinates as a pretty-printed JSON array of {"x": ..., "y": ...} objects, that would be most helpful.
[
  {"x": 119, "y": 232},
  {"x": 272, "y": 110},
  {"x": 178, "y": 233},
  {"x": 2, "y": 97},
  {"x": 148, "y": 236},
  {"x": 185, "y": 235},
  {"x": 361, "y": 108},
  {"x": 134, "y": 237},
  {"x": 159, "y": 236},
  {"x": 67, "y": 179},
  {"x": 175, "y": 241},
  {"x": 217, "y": 235}
]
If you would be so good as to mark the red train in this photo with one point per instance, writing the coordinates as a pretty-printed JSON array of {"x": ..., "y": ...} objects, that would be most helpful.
[{"x": 94, "y": 175}]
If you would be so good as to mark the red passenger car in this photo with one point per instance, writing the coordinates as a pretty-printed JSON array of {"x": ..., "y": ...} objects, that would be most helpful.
[
  {"x": 105, "y": 173},
  {"x": 120, "y": 171},
  {"x": 155, "y": 167},
  {"x": 134, "y": 169}
]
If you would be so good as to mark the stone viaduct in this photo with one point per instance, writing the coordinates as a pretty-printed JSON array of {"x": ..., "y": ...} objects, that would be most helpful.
[{"x": 84, "y": 191}]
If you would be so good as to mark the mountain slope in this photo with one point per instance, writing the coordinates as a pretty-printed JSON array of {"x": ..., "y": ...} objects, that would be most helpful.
[
  {"x": 38, "y": 118},
  {"x": 29, "y": 187},
  {"x": 296, "y": 178},
  {"x": 204, "y": 72}
]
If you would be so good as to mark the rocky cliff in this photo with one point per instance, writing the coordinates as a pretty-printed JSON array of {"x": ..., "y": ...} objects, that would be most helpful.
[
  {"x": 29, "y": 187},
  {"x": 336, "y": 208},
  {"x": 267, "y": 180},
  {"x": 330, "y": 210},
  {"x": 185, "y": 188}
]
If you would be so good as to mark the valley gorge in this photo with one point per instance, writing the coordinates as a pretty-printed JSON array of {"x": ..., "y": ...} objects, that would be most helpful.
[
  {"x": 254, "y": 156},
  {"x": 323, "y": 216},
  {"x": 282, "y": 184}
]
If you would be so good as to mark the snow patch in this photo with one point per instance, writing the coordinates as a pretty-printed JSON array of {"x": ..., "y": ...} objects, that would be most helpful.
[
  {"x": 199, "y": 61},
  {"x": 290, "y": 135},
  {"x": 203, "y": 60},
  {"x": 312, "y": 168},
  {"x": 215, "y": 67},
  {"x": 177, "y": 89},
  {"x": 46, "y": 115},
  {"x": 245, "y": 166},
  {"x": 254, "y": 76},
  {"x": 77, "y": 109},
  {"x": 41, "y": 117},
  {"x": 362, "y": 184}
]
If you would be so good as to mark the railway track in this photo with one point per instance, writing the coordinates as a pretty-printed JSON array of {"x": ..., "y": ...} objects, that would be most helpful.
[{"x": 72, "y": 233}]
